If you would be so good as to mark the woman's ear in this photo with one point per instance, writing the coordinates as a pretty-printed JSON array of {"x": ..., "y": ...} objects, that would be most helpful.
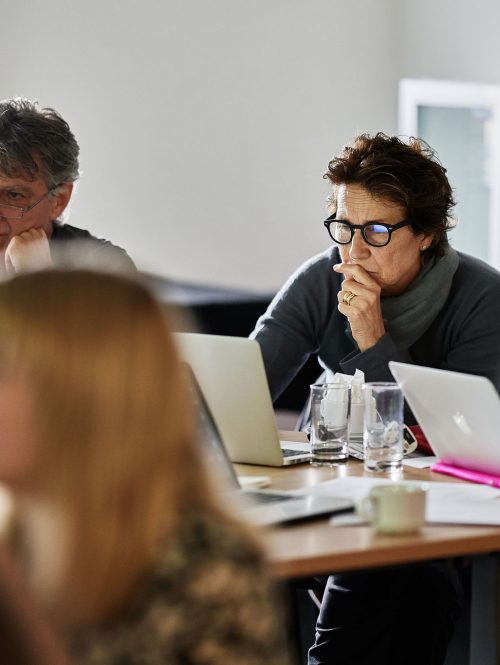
[{"x": 426, "y": 241}]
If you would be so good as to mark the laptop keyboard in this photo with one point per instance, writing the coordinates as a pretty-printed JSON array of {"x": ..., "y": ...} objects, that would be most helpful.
[
  {"x": 263, "y": 497},
  {"x": 291, "y": 452}
]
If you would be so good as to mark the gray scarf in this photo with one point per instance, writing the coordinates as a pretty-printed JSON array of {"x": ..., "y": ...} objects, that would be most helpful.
[{"x": 408, "y": 315}]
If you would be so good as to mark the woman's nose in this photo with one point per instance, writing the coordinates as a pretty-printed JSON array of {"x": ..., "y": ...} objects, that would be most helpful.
[{"x": 359, "y": 248}]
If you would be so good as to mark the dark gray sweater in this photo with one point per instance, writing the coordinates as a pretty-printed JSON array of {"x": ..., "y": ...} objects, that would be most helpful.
[
  {"x": 92, "y": 252},
  {"x": 303, "y": 319}
]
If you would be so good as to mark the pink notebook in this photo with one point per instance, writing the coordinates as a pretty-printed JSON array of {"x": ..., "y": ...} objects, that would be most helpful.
[{"x": 467, "y": 474}]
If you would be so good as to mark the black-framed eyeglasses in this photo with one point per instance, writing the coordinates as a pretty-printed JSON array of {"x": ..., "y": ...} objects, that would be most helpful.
[
  {"x": 8, "y": 211},
  {"x": 375, "y": 234}
]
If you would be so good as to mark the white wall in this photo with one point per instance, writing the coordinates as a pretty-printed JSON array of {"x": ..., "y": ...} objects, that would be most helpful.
[
  {"x": 446, "y": 39},
  {"x": 205, "y": 125}
]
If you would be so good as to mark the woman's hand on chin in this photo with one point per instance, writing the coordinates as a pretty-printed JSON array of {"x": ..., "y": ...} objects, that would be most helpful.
[{"x": 362, "y": 309}]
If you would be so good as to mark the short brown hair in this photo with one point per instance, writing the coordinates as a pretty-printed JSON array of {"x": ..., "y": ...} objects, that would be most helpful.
[{"x": 408, "y": 174}]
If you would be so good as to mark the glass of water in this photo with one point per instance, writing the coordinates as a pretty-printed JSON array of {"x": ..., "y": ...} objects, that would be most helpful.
[
  {"x": 329, "y": 420},
  {"x": 383, "y": 427}
]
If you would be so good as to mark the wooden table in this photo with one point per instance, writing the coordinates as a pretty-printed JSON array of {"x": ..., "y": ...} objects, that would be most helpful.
[{"x": 316, "y": 547}]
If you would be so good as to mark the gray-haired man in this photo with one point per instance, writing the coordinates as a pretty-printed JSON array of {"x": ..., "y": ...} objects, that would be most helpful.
[{"x": 38, "y": 166}]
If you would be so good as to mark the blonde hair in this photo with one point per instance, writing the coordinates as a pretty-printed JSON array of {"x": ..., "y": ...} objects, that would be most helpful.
[{"x": 116, "y": 450}]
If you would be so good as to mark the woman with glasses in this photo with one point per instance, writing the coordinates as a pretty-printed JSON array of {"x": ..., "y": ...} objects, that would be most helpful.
[
  {"x": 390, "y": 287},
  {"x": 115, "y": 529}
]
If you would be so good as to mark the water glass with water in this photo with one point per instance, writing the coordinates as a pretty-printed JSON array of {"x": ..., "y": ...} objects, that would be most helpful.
[
  {"x": 383, "y": 427},
  {"x": 329, "y": 420}
]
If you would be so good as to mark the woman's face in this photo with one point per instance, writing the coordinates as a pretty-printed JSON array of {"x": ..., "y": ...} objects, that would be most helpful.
[
  {"x": 17, "y": 432},
  {"x": 393, "y": 266}
]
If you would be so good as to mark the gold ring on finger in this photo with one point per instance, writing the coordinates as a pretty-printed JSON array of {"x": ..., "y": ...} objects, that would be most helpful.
[{"x": 348, "y": 297}]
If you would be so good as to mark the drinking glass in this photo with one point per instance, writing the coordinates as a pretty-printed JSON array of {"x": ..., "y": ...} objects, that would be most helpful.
[
  {"x": 329, "y": 420},
  {"x": 383, "y": 427}
]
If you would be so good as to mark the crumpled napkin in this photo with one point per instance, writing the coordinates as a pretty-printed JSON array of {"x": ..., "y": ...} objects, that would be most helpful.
[{"x": 356, "y": 382}]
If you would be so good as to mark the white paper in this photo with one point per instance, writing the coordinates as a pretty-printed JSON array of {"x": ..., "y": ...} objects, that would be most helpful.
[
  {"x": 447, "y": 503},
  {"x": 299, "y": 447},
  {"x": 420, "y": 462},
  {"x": 334, "y": 407},
  {"x": 248, "y": 482},
  {"x": 348, "y": 519}
]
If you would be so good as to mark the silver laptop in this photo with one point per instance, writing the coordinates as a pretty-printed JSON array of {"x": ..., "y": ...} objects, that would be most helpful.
[
  {"x": 261, "y": 507},
  {"x": 231, "y": 374},
  {"x": 458, "y": 413}
]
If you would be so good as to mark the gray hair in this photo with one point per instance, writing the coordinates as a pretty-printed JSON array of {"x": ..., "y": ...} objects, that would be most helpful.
[{"x": 36, "y": 141}]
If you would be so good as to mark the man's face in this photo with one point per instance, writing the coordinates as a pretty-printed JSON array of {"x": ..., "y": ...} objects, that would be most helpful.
[{"x": 23, "y": 192}]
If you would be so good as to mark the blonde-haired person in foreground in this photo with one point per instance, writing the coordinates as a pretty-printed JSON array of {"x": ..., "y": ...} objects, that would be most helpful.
[{"x": 119, "y": 537}]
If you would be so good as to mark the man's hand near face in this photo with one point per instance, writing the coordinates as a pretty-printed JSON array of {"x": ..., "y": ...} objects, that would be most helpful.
[{"x": 28, "y": 251}]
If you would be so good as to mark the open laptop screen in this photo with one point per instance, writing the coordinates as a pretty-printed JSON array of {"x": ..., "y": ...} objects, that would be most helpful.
[
  {"x": 209, "y": 436},
  {"x": 278, "y": 507}
]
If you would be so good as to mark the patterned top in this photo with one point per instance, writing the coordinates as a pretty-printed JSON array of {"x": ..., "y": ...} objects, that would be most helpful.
[{"x": 210, "y": 602}]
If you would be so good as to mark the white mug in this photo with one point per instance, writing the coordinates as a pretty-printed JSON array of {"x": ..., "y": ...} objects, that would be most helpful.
[{"x": 394, "y": 508}]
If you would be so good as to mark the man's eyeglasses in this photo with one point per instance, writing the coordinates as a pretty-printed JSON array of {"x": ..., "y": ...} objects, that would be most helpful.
[
  {"x": 375, "y": 234},
  {"x": 8, "y": 211}
]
